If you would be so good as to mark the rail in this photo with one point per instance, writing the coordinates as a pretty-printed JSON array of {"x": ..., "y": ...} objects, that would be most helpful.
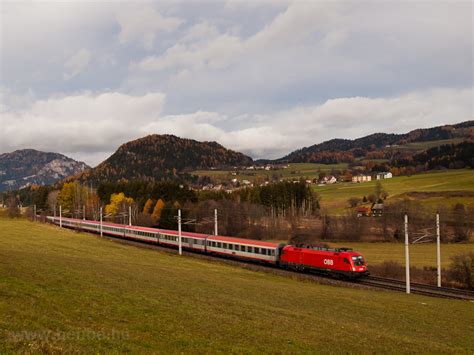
[{"x": 418, "y": 288}]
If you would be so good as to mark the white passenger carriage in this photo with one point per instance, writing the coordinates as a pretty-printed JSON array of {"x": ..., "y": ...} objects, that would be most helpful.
[
  {"x": 243, "y": 248},
  {"x": 192, "y": 241},
  {"x": 226, "y": 246}
]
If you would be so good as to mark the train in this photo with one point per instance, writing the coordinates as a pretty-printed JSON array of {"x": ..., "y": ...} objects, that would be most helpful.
[{"x": 338, "y": 262}]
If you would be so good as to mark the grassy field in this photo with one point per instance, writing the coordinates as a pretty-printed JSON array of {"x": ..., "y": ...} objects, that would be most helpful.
[
  {"x": 294, "y": 171},
  {"x": 65, "y": 291},
  {"x": 420, "y": 254},
  {"x": 421, "y": 146},
  {"x": 334, "y": 197}
]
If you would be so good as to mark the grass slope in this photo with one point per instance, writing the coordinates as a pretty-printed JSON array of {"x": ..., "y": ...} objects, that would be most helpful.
[
  {"x": 334, "y": 197},
  {"x": 97, "y": 295},
  {"x": 294, "y": 171},
  {"x": 420, "y": 254}
]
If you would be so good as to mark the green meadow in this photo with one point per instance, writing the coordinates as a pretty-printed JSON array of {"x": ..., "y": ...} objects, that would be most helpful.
[
  {"x": 334, "y": 197},
  {"x": 63, "y": 291}
]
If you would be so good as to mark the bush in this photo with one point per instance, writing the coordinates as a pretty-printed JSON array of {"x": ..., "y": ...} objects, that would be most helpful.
[
  {"x": 13, "y": 210},
  {"x": 461, "y": 270}
]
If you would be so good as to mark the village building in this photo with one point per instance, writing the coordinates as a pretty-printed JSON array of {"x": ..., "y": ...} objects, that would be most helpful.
[
  {"x": 363, "y": 212},
  {"x": 361, "y": 178},
  {"x": 384, "y": 175},
  {"x": 328, "y": 180},
  {"x": 377, "y": 209}
]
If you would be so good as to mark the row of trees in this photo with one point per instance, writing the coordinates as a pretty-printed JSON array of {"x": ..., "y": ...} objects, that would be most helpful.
[{"x": 279, "y": 211}]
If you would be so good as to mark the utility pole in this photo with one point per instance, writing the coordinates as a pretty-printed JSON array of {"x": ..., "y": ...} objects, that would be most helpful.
[
  {"x": 34, "y": 213},
  {"x": 83, "y": 212},
  {"x": 407, "y": 256},
  {"x": 54, "y": 210},
  {"x": 438, "y": 250},
  {"x": 129, "y": 215},
  {"x": 179, "y": 232},
  {"x": 101, "y": 233},
  {"x": 60, "y": 217},
  {"x": 215, "y": 221}
]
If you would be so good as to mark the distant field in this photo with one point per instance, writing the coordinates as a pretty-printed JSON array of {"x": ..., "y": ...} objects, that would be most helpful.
[
  {"x": 294, "y": 171},
  {"x": 420, "y": 146},
  {"x": 420, "y": 254},
  {"x": 65, "y": 291},
  {"x": 334, "y": 197}
]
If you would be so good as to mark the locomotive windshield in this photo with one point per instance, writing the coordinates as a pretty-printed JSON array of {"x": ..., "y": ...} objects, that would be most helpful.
[{"x": 358, "y": 260}]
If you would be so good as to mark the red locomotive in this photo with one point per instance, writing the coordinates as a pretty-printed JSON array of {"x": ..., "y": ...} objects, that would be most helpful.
[{"x": 334, "y": 262}]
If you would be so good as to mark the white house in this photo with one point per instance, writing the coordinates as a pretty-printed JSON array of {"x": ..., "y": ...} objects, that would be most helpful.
[
  {"x": 384, "y": 175},
  {"x": 361, "y": 178}
]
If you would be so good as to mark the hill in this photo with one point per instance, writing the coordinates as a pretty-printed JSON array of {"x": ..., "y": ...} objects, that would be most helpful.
[
  {"x": 27, "y": 167},
  {"x": 92, "y": 295},
  {"x": 381, "y": 145},
  {"x": 158, "y": 157}
]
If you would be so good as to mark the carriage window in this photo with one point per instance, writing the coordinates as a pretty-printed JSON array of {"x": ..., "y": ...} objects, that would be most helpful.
[
  {"x": 273, "y": 252},
  {"x": 231, "y": 246},
  {"x": 257, "y": 251},
  {"x": 219, "y": 245},
  {"x": 264, "y": 251},
  {"x": 249, "y": 249},
  {"x": 236, "y": 247},
  {"x": 224, "y": 245}
]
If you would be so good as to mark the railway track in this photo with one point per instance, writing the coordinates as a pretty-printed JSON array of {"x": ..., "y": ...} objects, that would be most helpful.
[
  {"x": 369, "y": 282},
  {"x": 418, "y": 288}
]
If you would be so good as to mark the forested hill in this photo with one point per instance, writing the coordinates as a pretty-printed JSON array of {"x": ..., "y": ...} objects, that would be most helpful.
[
  {"x": 158, "y": 157},
  {"x": 27, "y": 167},
  {"x": 379, "y": 145}
]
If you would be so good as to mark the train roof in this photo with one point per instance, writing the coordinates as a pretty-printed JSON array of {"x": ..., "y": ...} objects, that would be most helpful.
[
  {"x": 318, "y": 249},
  {"x": 185, "y": 234},
  {"x": 218, "y": 238}
]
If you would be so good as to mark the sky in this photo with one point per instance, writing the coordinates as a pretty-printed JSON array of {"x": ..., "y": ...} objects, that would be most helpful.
[{"x": 261, "y": 77}]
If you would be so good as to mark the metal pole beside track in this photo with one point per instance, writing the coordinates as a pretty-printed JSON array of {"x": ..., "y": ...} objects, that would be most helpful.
[
  {"x": 407, "y": 256},
  {"x": 438, "y": 250},
  {"x": 84, "y": 212},
  {"x": 215, "y": 221},
  {"x": 179, "y": 232},
  {"x": 34, "y": 213},
  {"x": 129, "y": 215},
  {"x": 60, "y": 217},
  {"x": 101, "y": 232}
]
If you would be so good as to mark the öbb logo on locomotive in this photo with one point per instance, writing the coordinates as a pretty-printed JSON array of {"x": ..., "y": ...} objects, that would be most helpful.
[{"x": 331, "y": 261}]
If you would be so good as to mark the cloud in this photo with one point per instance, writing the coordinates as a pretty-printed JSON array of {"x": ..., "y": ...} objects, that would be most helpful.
[
  {"x": 75, "y": 64},
  {"x": 92, "y": 126},
  {"x": 263, "y": 77},
  {"x": 143, "y": 24},
  {"x": 312, "y": 51},
  {"x": 85, "y": 124}
]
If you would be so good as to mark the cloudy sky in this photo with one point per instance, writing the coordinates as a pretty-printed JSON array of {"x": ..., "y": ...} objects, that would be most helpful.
[{"x": 261, "y": 77}]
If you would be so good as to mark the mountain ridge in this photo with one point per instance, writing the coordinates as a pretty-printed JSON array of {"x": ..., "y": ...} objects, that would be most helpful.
[
  {"x": 161, "y": 157},
  {"x": 26, "y": 167},
  {"x": 349, "y": 149}
]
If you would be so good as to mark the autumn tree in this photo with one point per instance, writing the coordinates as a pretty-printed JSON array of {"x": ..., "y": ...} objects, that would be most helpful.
[
  {"x": 119, "y": 203},
  {"x": 156, "y": 215},
  {"x": 72, "y": 197},
  {"x": 148, "y": 205},
  {"x": 379, "y": 192},
  {"x": 53, "y": 200},
  {"x": 461, "y": 228},
  {"x": 353, "y": 201}
]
